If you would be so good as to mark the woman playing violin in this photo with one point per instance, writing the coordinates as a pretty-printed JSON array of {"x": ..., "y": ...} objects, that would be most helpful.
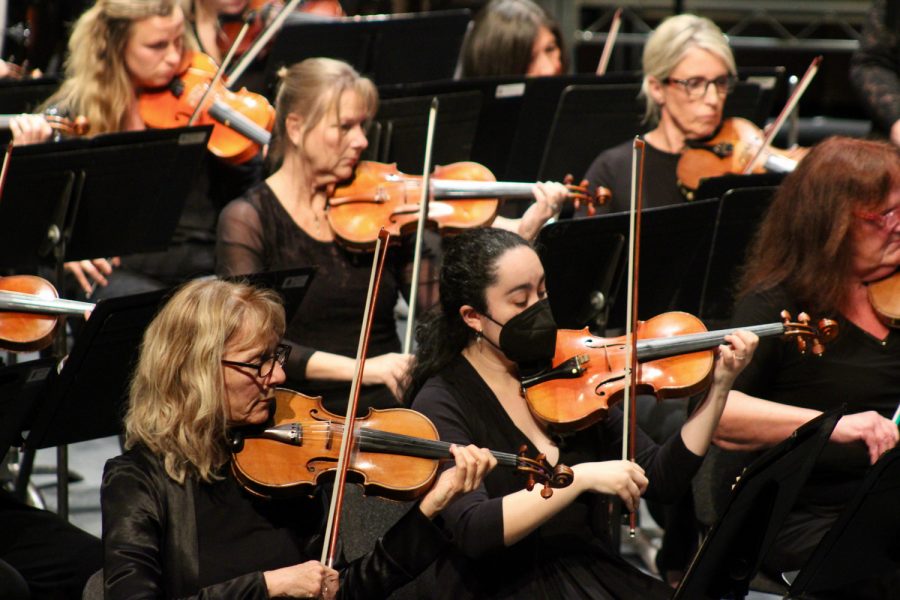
[
  {"x": 493, "y": 317},
  {"x": 322, "y": 109},
  {"x": 688, "y": 72},
  {"x": 118, "y": 49},
  {"x": 831, "y": 230},
  {"x": 176, "y": 523}
]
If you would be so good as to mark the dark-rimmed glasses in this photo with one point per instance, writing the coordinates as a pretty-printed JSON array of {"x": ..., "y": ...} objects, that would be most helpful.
[
  {"x": 266, "y": 363},
  {"x": 888, "y": 220},
  {"x": 696, "y": 87}
]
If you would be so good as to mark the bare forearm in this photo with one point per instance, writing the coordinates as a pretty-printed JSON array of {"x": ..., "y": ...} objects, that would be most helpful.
[
  {"x": 750, "y": 423},
  {"x": 525, "y": 511},
  {"x": 328, "y": 366}
]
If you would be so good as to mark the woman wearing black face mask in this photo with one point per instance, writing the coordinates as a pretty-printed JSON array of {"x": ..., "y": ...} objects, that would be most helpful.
[{"x": 508, "y": 542}]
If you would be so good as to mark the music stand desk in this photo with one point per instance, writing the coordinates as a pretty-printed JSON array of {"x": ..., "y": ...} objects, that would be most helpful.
[{"x": 732, "y": 552}]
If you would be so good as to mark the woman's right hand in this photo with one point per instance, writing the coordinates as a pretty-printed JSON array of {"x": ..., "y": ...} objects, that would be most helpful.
[
  {"x": 29, "y": 129},
  {"x": 311, "y": 579},
  {"x": 879, "y": 433},
  {"x": 621, "y": 478},
  {"x": 390, "y": 369}
]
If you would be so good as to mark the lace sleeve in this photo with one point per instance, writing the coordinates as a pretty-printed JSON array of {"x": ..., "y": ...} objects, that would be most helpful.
[
  {"x": 875, "y": 69},
  {"x": 239, "y": 240}
]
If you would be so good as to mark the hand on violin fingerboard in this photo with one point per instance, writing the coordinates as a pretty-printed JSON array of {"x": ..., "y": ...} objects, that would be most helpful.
[
  {"x": 29, "y": 129},
  {"x": 472, "y": 464}
]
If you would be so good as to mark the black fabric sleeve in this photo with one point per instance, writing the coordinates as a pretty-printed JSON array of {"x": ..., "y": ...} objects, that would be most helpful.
[
  {"x": 239, "y": 240},
  {"x": 474, "y": 520},
  {"x": 875, "y": 68},
  {"x": 407, "y": 549},
  {"x": 134, "y": 525},
  {"x": 669, "y": 468}
]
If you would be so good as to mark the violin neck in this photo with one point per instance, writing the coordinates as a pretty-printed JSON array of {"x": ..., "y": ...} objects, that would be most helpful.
[
  {"x": 4, "y": 121},
  {"x": 28, "y": 303},
  {"x": 446, "y": 189},
  {"x": 657, "y": 348},
  {"x": 374, "y": 440},
  {"x": 232, "y": 119}
]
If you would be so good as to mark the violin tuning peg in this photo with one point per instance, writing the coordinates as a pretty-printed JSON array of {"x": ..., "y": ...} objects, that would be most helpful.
[
  {"x": 785, "y": 317},
  {"x": 817, "y": 347},
  {"x": 803, "y": 318},
  {"x": 568, "y": 179},
  {"x": 547, "y": 491}
]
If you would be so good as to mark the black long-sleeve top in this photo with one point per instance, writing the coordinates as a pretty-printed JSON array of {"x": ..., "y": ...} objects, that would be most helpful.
[
  {"x": 566, "y": 557},
  {"x": 875, "y": 67}
]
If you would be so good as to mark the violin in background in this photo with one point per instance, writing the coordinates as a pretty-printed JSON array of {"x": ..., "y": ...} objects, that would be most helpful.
[{"x": 884, "y": 295}]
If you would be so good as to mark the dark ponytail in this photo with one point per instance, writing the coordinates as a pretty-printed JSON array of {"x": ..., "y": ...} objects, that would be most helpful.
[{"x": 469, "y": 268}]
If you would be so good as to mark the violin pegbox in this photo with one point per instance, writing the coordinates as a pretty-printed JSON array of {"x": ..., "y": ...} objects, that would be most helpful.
[{"x": 809, "y": 337}]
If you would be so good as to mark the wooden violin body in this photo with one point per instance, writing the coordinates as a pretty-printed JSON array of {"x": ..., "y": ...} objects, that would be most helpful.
[
  {"x": 674, "y": 356},
  {"x": 730, "y": 151},
  {"x": 241, "y": 120},
  {"x": 396, "y": 454},
  {"x": 884, "y": 295},
  {"x": 29, "y": 309}
]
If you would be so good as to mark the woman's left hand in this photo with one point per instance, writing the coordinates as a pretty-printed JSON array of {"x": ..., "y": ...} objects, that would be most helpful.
[
  {"x": 548, "y": 201},
  {"x": 734, "y": 357},
  {"x": 472, "y": 464}
]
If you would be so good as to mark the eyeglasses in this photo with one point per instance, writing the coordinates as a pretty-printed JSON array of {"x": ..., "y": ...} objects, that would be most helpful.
[
  {"x": 888, "y": 220},
  {"x": 696, "y": 87},
  {"x": 266, "y": 363}
]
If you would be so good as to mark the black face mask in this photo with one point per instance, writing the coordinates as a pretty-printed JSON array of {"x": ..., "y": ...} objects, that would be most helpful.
[{"x": 529, "y": 338}]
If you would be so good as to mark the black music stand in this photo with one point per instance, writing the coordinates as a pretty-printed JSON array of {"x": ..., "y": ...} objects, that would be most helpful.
[
  {"x": 110, "y": 195},
  {"x": 388, "y": 49},
  {"x": 86, "y": 401},
  {"x": 400, "y": 128},
  {"x": 732, "y": 552},
  {"x": 739, "y": 215},
  {"x": 864, "y": 542},
  {"x": 580, "y": 290},
  {"x": 675, "y": 245},
  {"x": 21, "y": 387}
]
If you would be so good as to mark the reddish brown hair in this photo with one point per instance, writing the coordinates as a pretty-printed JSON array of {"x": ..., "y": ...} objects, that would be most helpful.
[{"x": 805, "y": 240}]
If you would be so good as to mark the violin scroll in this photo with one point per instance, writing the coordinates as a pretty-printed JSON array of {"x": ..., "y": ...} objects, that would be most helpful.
[
  {"x": 538, "y": 470},
  {"x": 581, "y": 193},
  {"x": 809, "y": 337}
]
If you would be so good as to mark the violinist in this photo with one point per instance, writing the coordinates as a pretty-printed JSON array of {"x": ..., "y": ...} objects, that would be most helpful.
[
  {"x": 323, "y": 107},
  {"x": 175, "y": 521},
  {"x": 119, "y": 49},
  {"x": 875, "y": 68},
  {"x": 832, "y": 229},
  {"x": 513, "y": 37},
  {"x": 494, "y": 316},
  {"x": 688, "y": 72}
]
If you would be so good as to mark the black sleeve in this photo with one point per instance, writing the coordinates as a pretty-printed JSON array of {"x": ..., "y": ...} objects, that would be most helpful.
[
  {"x": 474, "y": 520},
  {"x": 134, "y": 524},
  {"x": 875, "y": 67},
  {"x": 406, "y": 550},
  {"x": 239, "y": 240},
  {"x": 669, "y": 468}
]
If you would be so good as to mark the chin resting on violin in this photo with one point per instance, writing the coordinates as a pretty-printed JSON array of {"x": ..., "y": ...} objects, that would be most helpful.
[
  {"x": 149, "y": 38},
  {"x": 175, "y": 521},
  {"x": 492, "y": 320},
  {"x": 323, "y": 107}
]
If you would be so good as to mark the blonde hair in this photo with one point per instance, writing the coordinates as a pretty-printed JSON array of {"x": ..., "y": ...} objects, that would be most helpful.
[
  {"x": 97, "y": 83},
  {"x": 668, "y": 44},
  {"x": 310, "y": 89},
  {"x": 177, "y": 397}
]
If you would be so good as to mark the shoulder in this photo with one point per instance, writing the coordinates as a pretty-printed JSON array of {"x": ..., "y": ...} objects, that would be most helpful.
[
  {"x": 612, "y": 156},
  {"x": 136, "y": 473},
  {"x": 762, "y": 306}
]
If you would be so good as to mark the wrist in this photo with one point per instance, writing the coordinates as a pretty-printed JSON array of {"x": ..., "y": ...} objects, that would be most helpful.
[{"x": 273, "y": 584}]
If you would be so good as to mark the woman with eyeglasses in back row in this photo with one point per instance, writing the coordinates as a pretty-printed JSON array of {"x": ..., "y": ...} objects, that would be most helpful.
[{"x": 689, "y": 70}]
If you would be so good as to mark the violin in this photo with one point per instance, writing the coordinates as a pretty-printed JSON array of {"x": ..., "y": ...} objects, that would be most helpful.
[
  {"x": 674, "y": 355},
  {"x": 884, "y": 296},
  {"x": 466, "y": 194},
  {"x": 396, "y": 452},
  {"x": 259, "y": 13},
  {"x": 736, "y": 148},
  {"x": 29, "y": 307},
  {"x": 241, "y": 120}
]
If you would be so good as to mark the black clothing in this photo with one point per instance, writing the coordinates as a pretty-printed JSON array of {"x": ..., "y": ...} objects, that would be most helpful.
[
  {"x": 155, "y": 537},
  {"x": 257, "y": 234},
  {"x": 875, "y": 66},
  {"x": 54, "y": 557},
  {"x": 567, "y": 557},
  {"x": 856, "y": 369},
  {"x": 612, "y": 169}
]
